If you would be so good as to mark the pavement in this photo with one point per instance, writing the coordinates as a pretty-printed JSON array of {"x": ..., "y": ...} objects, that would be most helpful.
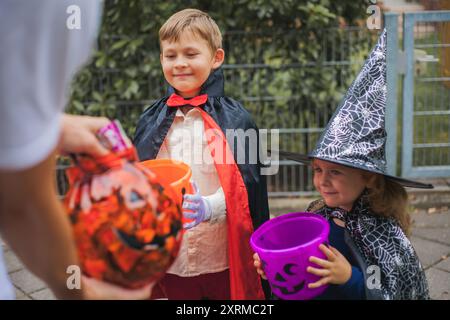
[{"x": 430, "y": 237}]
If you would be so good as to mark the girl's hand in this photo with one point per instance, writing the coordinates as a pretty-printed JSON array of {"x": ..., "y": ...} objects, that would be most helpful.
[
  {"x": 336, "y": 270},
  {"x": 257, "y": 264}
]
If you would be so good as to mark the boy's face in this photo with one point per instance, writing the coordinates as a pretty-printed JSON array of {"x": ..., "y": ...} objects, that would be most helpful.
[
  {"x": 339, "y": 186},
  {"x": 188, "y": 62}
]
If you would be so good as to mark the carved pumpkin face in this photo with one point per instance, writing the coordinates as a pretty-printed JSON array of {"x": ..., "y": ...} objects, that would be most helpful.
[
  {"x": 283, "y": 280},
  {"x": 127, "y": 228},
  {"x": 284, "y": 245}
]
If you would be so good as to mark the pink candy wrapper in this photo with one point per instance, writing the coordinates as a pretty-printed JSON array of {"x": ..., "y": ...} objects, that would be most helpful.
[{"x": 113, "y": 137}]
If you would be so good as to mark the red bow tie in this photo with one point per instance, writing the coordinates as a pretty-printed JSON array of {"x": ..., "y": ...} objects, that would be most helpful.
[{"x": 177, "y": 101}]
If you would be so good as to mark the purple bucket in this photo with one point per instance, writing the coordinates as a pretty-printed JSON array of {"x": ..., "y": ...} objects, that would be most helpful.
[{"x": 284, "y": 245}]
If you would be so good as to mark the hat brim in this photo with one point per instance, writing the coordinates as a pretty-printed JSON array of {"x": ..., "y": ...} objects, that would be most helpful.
[
  {"x": 305, "y": 159},
  {"x": 299, "y": 157}
]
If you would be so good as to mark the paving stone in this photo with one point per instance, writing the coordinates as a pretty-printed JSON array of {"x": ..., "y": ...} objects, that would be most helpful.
[
  {"x": 19, "y": 293},
  {"x": 282, "y": 205},
  {"x": 441, "y": 235},
  {"x": 444, "y": 265},
  {"x": 12, "y": 262},
  {"x": 26, "y": 281},
  {"x": 436, "y": 220},
  {"x": 45, "y": 294},
  {"x": 429, "y": 252},
  {"x": 439, "y": 284}
]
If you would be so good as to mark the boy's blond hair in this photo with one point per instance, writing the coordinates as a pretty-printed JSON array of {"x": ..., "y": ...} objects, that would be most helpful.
[{"x": 195, "y": 21}]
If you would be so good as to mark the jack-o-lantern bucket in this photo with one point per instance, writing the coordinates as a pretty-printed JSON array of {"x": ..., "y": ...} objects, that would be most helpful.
[
  {"x": 127, "y": 226},
  {"x": 176, "y": 174},
  {"x": 284, "y": 245}
]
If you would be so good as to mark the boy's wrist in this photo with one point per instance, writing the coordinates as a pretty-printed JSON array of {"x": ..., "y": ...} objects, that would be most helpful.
[
  {"x": 208, "y": 209},
  {"x": 217, "y": 206}
]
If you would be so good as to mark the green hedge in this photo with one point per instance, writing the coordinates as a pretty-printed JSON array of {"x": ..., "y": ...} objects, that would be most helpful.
[{"x": 279, "y": 49}]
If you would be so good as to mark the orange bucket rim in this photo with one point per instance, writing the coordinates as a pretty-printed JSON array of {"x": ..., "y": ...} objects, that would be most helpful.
[{"x": 163, "y": 162}]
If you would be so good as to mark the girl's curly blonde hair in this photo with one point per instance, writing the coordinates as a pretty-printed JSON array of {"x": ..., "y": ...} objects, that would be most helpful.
[{"x": 389, "y": 199}]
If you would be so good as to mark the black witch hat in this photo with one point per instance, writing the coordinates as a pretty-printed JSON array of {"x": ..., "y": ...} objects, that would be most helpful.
[{"x": 355, "y": 135}]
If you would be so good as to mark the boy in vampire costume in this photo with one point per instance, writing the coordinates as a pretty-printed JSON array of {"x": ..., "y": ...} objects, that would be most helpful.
[{"x": 241, "y": 185}]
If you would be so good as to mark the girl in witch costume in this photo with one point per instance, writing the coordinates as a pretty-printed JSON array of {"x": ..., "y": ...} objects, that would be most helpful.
[
  {"x": 370, "y": 256},
  {"x": 230, "y": 200}
]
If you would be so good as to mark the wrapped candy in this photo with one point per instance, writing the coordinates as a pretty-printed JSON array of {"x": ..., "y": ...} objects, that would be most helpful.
[{"x": 127, "y": 227}]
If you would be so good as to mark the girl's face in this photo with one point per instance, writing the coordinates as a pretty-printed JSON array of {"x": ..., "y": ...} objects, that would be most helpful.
[
  {"x": 187, "y": 63},
  {"x": 338, "y": 185}
]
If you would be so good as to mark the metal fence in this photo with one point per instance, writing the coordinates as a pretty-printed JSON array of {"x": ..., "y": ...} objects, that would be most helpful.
[
  {"x": 299, "y": 121},
  {"x": 426, "y": 95},
  {"x": 264, "y": 89},
  {"x": 423, "y": 123}
]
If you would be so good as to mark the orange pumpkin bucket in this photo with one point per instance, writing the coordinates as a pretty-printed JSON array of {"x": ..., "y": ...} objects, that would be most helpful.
[{"x": 171, "y": 172}]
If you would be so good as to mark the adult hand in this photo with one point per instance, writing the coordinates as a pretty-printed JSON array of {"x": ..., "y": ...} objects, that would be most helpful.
[
  {"x": 196, "y": 207},
  {"x": 336, "y": 270},
  {"x": 98, "y": 290},
  {"x": 78, "y": 135}
]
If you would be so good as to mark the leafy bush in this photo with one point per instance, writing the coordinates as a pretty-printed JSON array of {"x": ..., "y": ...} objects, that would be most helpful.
[{"x": 285, "y": 60}]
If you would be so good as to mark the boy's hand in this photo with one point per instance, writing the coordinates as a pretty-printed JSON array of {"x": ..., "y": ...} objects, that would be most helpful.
[
  {"x": 257, "y": 264},
  {"x": 198, "y": 208},
  {"x": 336, "y": 270}
]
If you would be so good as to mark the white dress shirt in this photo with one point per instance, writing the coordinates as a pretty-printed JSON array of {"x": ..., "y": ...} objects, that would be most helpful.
[{"x": 204, "y": 248}]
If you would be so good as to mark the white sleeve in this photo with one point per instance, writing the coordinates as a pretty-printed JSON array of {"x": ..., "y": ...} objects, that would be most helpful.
[
  {"x": 41, "y": 49},
  {"x": 218, "y": 205}
]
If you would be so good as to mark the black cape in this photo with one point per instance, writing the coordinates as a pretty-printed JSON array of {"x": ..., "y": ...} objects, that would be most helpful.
[{"x": 228, "y": 114}]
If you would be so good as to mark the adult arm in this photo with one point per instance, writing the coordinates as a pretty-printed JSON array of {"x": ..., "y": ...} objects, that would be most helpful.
[{"x": 35, "y": 226}]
